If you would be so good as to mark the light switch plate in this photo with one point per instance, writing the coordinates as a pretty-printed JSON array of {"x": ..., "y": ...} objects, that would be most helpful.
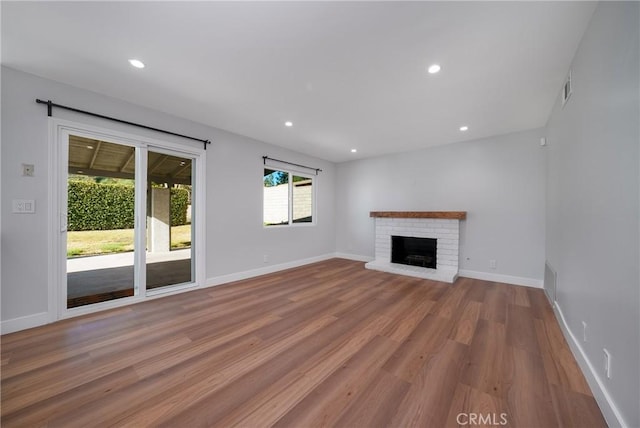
[{"x": 24, "y": 206}]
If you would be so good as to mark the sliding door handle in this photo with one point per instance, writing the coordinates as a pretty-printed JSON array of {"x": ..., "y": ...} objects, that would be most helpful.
[{"x": 63, "y": 222}]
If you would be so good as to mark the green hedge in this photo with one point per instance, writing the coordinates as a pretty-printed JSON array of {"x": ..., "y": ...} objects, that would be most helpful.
[
  {"x": 179, "y": 204},
  {"x": 94, "y": 206}
]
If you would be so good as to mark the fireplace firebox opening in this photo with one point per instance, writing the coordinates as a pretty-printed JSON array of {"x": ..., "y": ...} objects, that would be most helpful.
[{"x": 414, "y": 251}]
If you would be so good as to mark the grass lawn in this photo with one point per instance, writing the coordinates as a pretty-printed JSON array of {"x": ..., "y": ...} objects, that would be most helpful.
[{"x": 93, "y": 242}]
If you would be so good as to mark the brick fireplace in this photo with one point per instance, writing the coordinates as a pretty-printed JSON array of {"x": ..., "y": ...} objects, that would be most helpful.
[{"x": 443, "y": 226}]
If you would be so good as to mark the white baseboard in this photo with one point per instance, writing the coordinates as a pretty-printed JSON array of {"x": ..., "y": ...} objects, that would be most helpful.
[
  {"x": 355, "y": 257},
  {"x": 238, "y": 276},
  {"x": 22, "y": 323},
  {"x": 603, "y": 398},
  {"x": 495, "y": 277}
]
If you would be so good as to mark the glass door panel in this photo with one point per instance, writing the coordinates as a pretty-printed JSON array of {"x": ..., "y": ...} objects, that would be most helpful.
[
  {"x": 100, "y": 221},
  {"x": 169, "y": 220},
  {"x": 302, "y": 199}
]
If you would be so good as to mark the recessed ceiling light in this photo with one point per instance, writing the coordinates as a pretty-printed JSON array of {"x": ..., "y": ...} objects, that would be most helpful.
[
  {"x": 354, "y": 150},
  {"x": 89, "y": 147},
  {"x": 80, "y": 172},
  {"x": 183, "y": 163},
  {"x": 464, "y": 128},
  {"x": 288, "y": 124},
  {"x": 136, "y": 63},
  {"x": 433, "y": 69}
]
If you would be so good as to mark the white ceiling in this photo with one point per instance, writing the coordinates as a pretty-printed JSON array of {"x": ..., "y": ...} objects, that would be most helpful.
[{"x": 348, "y": 75}]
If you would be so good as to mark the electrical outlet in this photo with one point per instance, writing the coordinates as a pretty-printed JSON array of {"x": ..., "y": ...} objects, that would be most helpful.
[
  {"x": 492, "y": 264},
  {"x": 265, "y": 258},
  {"x": 584, "y": 331},
  {"x": 607, "y": 363}
]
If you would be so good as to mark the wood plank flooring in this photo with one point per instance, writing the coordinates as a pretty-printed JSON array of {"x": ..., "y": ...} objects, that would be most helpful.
[{"x": 327, "y": 344}]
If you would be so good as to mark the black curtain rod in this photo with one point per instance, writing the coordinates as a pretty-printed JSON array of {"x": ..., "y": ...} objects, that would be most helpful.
[
  {"x": 264, "y": 161},
  {"x": 51, "y": 104}
]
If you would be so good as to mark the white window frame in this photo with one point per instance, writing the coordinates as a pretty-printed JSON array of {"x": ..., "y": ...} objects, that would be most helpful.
[{"x": 314, "y": 190}]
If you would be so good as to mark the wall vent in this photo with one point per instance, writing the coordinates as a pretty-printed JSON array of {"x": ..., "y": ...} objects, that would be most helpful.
[{"x": 567, "y": 89}]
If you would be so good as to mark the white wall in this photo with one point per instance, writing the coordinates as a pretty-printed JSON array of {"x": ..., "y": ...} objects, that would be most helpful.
[
  {"x": 235, "y": 238},
  {"x": 593, "y": 205},
  {"x": 499, "y": 181}
]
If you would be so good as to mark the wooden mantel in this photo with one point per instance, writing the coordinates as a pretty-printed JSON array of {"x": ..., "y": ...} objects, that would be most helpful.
[{"x": 457, "y": 215}]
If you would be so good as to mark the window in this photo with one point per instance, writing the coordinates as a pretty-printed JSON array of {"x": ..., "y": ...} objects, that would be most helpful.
[{"x": 288, "y": 198}]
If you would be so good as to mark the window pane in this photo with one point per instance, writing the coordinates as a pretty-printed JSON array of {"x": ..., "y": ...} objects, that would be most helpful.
[
  {"x": 169, "y": 227},
  {"x": 302, "y": 199},
  {"x": 276, "y": 197},
  {"x": 101, "y": 220}
]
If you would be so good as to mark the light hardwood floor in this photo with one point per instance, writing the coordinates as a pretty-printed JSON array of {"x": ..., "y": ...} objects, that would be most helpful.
[{"x": 329, "y": 344}]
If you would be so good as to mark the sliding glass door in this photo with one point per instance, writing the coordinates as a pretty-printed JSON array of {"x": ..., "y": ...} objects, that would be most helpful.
[
  {"x": 101, "y": 196},
  {"x": 129, "y": 211},
  {"x": 169, "y": 220}
]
